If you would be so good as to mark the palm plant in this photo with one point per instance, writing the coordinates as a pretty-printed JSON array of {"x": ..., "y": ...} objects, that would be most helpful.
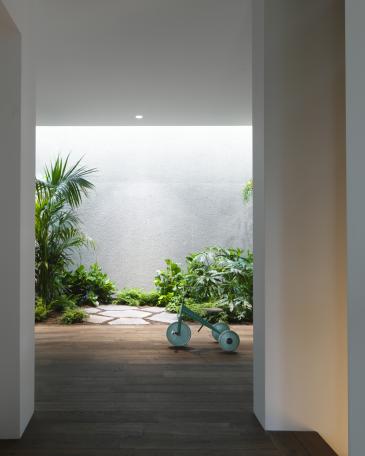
[
  {"x": 57, "y": 226},
  {"x": 219, "y": 276}
]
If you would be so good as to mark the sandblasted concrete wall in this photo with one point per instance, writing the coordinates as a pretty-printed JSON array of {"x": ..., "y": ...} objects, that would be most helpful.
[{"x": 161, "y": 192}]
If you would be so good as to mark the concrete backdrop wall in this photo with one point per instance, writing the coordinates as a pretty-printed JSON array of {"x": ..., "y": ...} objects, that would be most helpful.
[{"x": 161, "y": 192}]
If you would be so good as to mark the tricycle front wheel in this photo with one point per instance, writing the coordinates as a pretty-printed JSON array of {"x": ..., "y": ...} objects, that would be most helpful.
[{"x": 181, "y": 338}]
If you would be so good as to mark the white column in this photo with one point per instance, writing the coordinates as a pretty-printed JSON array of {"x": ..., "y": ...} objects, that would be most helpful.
[
  {"x": 17, "y": 132},
  {"x": 355, "y": 76},
  {"x": 10, "y": 226},
  {"x": 300, "y": 370}
]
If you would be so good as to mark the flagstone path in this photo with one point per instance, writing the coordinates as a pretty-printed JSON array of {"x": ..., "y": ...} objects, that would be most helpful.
[{"x": 128, "y": 315}]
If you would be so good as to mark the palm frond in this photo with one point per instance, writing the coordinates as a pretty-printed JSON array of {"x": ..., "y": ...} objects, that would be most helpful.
[{"x": 67, "y": 183}]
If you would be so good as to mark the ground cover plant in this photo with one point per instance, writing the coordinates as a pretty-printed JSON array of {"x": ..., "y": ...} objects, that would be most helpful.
[
  {"x": 137, "y": 297},
  {"x": 72, "y": 316}
]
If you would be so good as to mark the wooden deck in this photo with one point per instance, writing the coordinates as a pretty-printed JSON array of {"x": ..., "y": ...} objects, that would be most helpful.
[{"x": 121, "y": 391}]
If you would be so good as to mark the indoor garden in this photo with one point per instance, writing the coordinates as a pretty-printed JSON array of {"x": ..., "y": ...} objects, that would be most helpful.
[{"x": 215, "y": 277}]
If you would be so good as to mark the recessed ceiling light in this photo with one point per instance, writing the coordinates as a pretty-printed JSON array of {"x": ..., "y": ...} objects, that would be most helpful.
[{"x": 139, "y": 116}]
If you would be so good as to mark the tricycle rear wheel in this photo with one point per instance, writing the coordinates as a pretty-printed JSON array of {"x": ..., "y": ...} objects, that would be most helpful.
[
  {"x": 219, "y": 327},
  {"x": 229, "y": 341}
]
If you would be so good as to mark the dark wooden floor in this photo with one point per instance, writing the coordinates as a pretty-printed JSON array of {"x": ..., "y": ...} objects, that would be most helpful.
[{"x": 117, "y": 391}]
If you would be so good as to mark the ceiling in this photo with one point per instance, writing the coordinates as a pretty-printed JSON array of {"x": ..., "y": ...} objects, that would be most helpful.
[{"x": 176, "y": 62}]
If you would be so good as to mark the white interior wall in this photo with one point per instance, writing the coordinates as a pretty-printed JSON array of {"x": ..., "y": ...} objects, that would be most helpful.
[
  {"x": 355, "y": 56},
  {"x": 299, "y": 218},
  {"x": 10, "y": 183},
  {"x": 160, "y": 192},
  {"x": 17, "y": 132}
]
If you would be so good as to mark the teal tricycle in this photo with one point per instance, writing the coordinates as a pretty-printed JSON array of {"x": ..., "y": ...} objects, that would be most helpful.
[{"x": 179, "y": 333}]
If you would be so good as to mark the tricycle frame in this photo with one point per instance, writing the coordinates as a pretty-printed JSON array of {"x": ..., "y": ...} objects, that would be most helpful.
[
  {"x": 194, "y": 316},
  {"x": 178, "y": 333}
]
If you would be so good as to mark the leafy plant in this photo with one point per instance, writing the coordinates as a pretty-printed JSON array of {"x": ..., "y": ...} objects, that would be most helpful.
[
  {"x": 222, "y": 276},
  {"x": 62, "y": 303},
  {"x": 137, "y": 297},
  {"x": 89, "y": 287},
  {"x": 168, "y": 282},
  {"x": 41, "y": 311},
  {"x": 150, "y": 298},
  {"x": 225, "y": 275},
  {"x": 247, "y": 191},
  {"x": 72, "y": 316},
  {"x": 129, "y": 296},
  {"x": 57, "y": 226}
]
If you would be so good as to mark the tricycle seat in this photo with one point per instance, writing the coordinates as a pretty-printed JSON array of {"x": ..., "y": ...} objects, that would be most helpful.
[{"x": 213, "y": 310}]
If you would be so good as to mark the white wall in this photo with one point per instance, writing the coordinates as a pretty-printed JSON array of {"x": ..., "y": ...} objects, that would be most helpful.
[
  {"x": 299, "y": 218},
  {"x": 355, "y": 51},
  {"x": 161, "y": 192},
  {"x": 17, "y": 132},
  {"x": 10, "y": 226}
]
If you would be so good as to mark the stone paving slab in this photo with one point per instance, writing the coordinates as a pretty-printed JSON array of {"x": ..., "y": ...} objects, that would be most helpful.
[
  {"x": 114, "y": 314},
  {"x": 98, "y": 319},
  {"x": 116, "y": 307},
  {"x": 125, "y": 314},
  {"x": 164, "y": 317},
  {"x": 91, "y": 310},
  {"x": 153, "y": 310},
  {"x": 129, "y": 321}
]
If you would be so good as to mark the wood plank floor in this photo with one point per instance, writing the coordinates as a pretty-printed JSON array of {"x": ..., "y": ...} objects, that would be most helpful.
[{"x": 122, "y": 391}]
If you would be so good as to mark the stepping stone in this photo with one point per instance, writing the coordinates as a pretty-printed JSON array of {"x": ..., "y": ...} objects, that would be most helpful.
[
  {"x": 125, "y": 313},
  {"x": 116, "y": 307},
  {"x": 91, "y": 310},
  {"x": 153, "y": 309},
  {"x": 129, "y": 321},
  {"x": 164, "y": 317},
  {"x": 97, "y": 319}
]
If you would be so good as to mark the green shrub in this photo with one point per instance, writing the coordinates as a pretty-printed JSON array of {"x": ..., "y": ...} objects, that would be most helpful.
[
  {"x": 223, "y": 276},
  {"x": 150, "y": 298},
  {"x": 137, "y": 297},
  {"x": 129, "y": 296},
  {"x": 165, "y": 299},
  {"x": 89, "y": 287},
  {"x": 72, "y": 316},
  {"x": 89, "y": 298},
  {"x": 168, "y": 282},
  {"x": 237, "y": 311},
  {"x": 41, "y": 312},
  {"x": 62, "y": 303}
]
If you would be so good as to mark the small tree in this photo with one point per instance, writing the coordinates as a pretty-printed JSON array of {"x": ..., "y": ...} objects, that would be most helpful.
[{"x": 57, "y": 226}]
